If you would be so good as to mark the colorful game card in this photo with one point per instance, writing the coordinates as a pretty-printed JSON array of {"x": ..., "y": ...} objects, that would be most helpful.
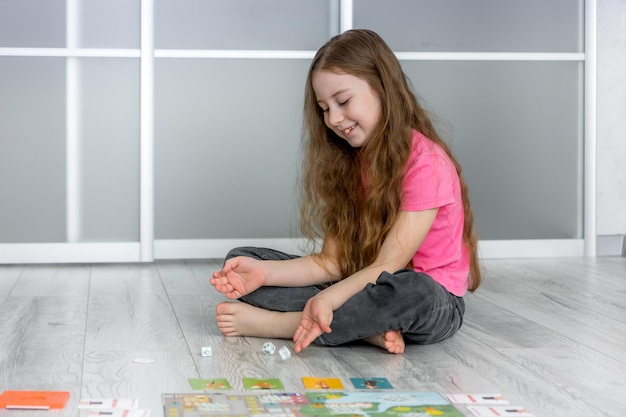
[
  {"x": 263, "y": 383},
  {"x": 119, "y": 412},
  {"x": 33, "y": 400},
  {"x": 109, "y": 403},
  {"x": 477, "y": 399},
  {"x": 215, "y": 383},
  {"x": 498, "y": 411},
  {"x": 371, "y": 383},
  {"x": 321, "y": 383}
]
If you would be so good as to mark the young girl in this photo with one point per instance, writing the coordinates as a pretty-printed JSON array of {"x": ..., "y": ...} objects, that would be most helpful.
[{"x": 385, "y": 195}]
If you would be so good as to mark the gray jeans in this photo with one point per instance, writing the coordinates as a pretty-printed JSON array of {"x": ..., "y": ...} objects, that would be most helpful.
[{"x": 422, "y": 309}]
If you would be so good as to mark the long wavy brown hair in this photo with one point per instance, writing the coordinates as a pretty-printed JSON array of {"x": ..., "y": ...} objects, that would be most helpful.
[{"x": 335, "y": 203}]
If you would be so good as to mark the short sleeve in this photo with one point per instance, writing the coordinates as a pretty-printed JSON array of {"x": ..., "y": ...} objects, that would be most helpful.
[{"x": 430, "y": 177}]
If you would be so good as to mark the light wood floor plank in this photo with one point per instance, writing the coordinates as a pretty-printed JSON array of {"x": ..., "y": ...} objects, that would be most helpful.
[
  {"x": 577, "y": 369},
  {"x": 53, "y": 280},
  {"x": 9, "y": 275},
  {"x": 477, "y": 366},
  {"x": 595, "y": 322},
  {"x": 42, "y": 344},
  {"x": 587, "y": 377},
  {"x": 188, "y": 277},
  {"x": 113, "y": 374},
  {"x": 129, "y": 310}
]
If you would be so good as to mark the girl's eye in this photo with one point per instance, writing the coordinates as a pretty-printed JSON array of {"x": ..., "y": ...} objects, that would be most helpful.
[{"x": 343, "y": 103}]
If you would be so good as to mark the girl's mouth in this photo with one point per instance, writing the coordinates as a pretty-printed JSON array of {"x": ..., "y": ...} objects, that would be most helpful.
[{"x": 348, "y": 130}]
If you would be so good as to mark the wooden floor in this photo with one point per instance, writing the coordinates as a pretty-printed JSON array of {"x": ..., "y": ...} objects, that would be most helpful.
[{"x": 549, "y": 334}]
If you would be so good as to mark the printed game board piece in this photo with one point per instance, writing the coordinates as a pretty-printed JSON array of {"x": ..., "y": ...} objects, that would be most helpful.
[
  {"x": 204, "y": 384},
  {"x": 310, "y": 404},
  {"x": 499, "y": 411},
  {"x": 33, "y": 400},
  {"x": 378, "y": 403},
  {"x": 267, "y": 404},
  {"x": 108, "y": 403},
  {"x": 371, "y": 383},
  {"x": 263, "y": 383},
  {"x": 321, "y": 383}
]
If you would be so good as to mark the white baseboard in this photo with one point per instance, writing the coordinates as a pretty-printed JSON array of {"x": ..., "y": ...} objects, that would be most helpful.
[
  {"x": 37, "y": 253},
  {"x": 218, "y": 248},
  {"x": 23, "y": 253},
  {"x": 531, "y": 248},
  {"x": 489, "y": 249},
  {"x": 611, "y": 245}
]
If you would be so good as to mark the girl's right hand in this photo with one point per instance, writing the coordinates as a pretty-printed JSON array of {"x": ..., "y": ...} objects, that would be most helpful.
[
  {"x": 239, "y": 276},
  {"x": 316, "y": 319}
]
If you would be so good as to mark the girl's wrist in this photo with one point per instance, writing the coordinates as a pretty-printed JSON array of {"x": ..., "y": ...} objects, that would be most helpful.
[{"x": 267, "y": 272}]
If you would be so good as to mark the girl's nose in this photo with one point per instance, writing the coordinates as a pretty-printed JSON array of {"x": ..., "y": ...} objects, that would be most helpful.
[{"x": 335, "y": 117}]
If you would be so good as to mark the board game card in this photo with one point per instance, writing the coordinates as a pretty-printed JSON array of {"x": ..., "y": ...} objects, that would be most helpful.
[
  {"x": 119, "y": 412},
  {"x": 477, "y": 399},
  {"x": 371, "y": 383},
  {"x": 33, "y": 400},
  {"x": 109, "y": 403},
  {"x": 263, "y": 383},
  {"x": 321, "y": 383},
  {"x": 499, "y": 411},
  {"x": 214, "y": 383}
]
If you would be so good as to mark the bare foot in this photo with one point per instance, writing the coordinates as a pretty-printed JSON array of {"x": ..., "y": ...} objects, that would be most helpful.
[
  {"x": 391, "y": 340},
  {"x": 241, "y": 319}
]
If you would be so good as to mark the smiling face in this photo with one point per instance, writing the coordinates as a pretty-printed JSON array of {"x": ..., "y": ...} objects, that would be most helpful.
[{"x": 351, "y": 108}]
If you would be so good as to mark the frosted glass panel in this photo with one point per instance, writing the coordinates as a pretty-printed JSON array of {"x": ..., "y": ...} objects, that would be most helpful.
[
  {"x": 32, "y": 150},
  {"x": 109, "y": 150},
  {"x": 110, "y": 24},
  {"x": 242, "y": 24},
  {"x": 475, "y": 26},
  {"x": 227, "y": 144},
  {"x": 517, "y": 130},
  {"x": 32, "y": 23}
]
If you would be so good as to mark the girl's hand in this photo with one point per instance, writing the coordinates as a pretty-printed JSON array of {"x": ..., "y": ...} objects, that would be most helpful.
[
  {"x": 316, "y": 319},
  {"x": 239, "y": 276}
]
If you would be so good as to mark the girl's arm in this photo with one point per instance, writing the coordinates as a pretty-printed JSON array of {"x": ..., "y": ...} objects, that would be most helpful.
[
  {"x": 307, "y": 270},
  {"x": 399, "y": 247},
  {"x": 242, "y": 275}
]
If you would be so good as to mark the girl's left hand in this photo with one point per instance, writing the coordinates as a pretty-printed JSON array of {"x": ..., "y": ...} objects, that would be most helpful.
[{"x": 316, "y": 318}]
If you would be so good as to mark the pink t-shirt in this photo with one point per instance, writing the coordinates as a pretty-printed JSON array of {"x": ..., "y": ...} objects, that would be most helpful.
[{"x": 431, "y": 181}]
